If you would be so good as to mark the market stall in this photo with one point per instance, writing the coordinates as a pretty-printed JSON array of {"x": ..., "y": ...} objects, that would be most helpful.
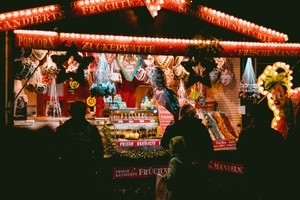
[{"x": 112, "y": 73}]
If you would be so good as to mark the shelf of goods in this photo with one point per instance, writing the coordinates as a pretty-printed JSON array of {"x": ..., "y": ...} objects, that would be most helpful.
[
  {"x": 221, "y": 129},
  {"x": 132, "y": 128}
]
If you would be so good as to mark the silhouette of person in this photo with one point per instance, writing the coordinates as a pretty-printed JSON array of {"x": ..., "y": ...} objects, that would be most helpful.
[
  {"x": 198, "y": 144},
  {"x": 292, "y": 142},
  {"x": 79, "y": 175},
  {"x": 27, "y": 162},
  {"x": 262, "y": 150},
  {"x": 178, "y": 178}
]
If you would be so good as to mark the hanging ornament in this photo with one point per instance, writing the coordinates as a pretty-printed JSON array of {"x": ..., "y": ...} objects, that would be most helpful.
[
  {"x": 197, "y": 73},
  {"x": 72, "y": 65},
  {"x": 225, "y": 67},
  {"x": 201, "y": 100},
  {"x": 181, "y": 93},
  {"x": 248, "y": 86},
  {"x": 54, "y": 109},
  {"x": 73, "y": 84},
  {"x": 129, "y": 64},
  {"x": 194, "y": 94},
  {"x": 91, "y": 101},
  {"x": 41, "y": 88},
  {"x": 46, "y": 79}
]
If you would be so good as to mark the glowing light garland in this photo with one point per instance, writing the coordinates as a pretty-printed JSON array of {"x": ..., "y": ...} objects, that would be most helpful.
[{"x": 147, "y": 45}]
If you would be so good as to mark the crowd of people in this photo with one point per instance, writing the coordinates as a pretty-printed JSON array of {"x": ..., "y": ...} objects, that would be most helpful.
[{"x": 35, "y": 163}]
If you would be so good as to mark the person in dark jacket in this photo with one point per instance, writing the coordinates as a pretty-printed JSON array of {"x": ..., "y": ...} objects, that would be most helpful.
[
  {"x": 198, "y": 143},
  {"x": 178, "y": 178},
  {"x": 262, "y": 151},
  {"x": 293, "y": 163},
  {"x": 79, "y": 175}
]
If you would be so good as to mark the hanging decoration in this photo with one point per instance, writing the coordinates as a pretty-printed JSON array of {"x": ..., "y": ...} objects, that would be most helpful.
[
  {"x": 182, "y": 96},
  {"x": 102, "y": 86},
  {"x": 46, "y": 79},
  {"x": 178, "y": 70},
  {"x": 25, "y": 65},
  {"x": 53, "y": 109},
  {"x": 35, "y": 83},
  {"x": 91, "y": 101},
  {"x": 201, "y": 61},
  {"x": 194, "y": 93},
  {"x": 201, "y": 100},
  {"x": 129, "y": 64},
  {"x": 196, "y": 73},
  {"x": 275, "y": 83},
  {"x": 248, "y": 86},
  {"x": 115, "y": 75},
  {"x": 225, "y": 69},
  {"x": 72, "y": 65}
]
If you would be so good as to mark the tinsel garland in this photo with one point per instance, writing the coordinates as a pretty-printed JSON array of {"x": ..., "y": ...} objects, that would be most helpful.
[{"x": 110, "y": 149}]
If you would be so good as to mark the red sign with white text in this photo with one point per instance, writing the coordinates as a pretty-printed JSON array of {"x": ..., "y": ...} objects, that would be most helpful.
[
  {"x": 139, "y": 172},
  {"x": 138, "y": 143},
  {"x": 225, "y": 167},
  {"x": 224, "y": 144},
  {"x": 165, "y": 117}
]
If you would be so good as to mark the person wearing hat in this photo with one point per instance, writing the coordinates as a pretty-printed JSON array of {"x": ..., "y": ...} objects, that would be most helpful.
[
  {"x": 177, "y": 177},
  {"x": 198, "y": 144}
]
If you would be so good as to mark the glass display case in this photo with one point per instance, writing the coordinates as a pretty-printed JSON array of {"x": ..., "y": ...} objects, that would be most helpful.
[{"x": 133, "y": 128}]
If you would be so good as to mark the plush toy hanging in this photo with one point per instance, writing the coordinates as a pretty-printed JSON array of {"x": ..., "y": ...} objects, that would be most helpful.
[{"x": 72, "y": 65}]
